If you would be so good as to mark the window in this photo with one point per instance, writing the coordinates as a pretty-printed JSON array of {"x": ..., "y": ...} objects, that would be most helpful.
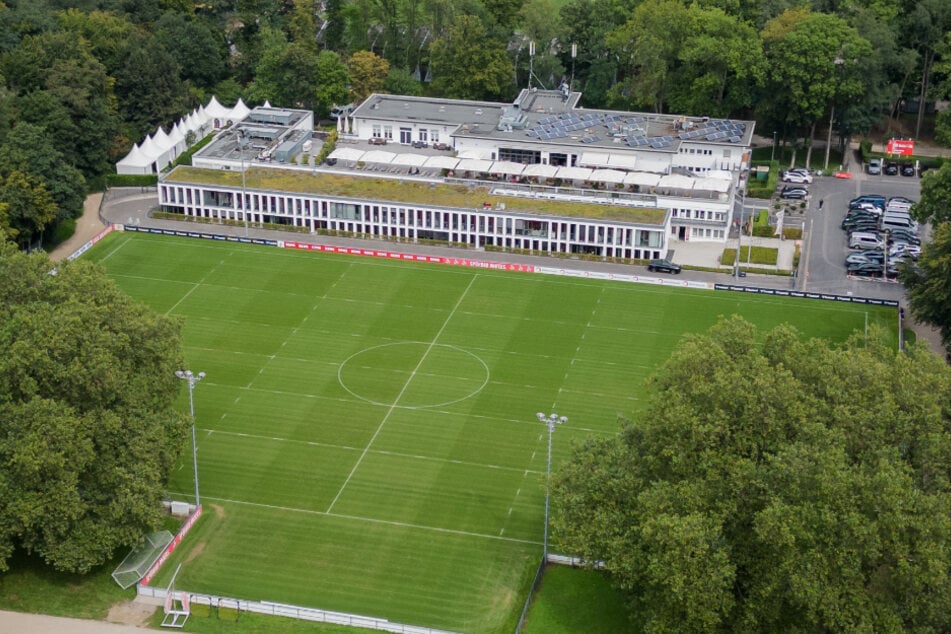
[
  {"x": 388, "y": 132},
  {"x": 434, "y": 134},
  {"x": 423, "y": 135},
  {"x": 377, "y": 131}
]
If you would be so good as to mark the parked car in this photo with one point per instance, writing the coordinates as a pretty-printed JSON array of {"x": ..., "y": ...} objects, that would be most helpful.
[
  {"x": 861, "y": 257},
  {"x": 875, "y": 199},
  {"x": 791, "y": 193},
  {"x": 796, "y": 176},
  {"x": 891, "y": 169},
  {"x": 663, "y": 266},
  {"x": 865, "y": 240},
  {"x": 908, "y": 169},
  {"x": 875, "y": 166},
  {"x": 901, "y": 199},
  {"x": 896, "y": 237},
  {"x": 867, "y": 206},
  {"x": 904, "y": 248}
]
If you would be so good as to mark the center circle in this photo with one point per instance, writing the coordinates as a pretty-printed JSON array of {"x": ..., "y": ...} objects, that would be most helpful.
[{"x": 413, "y": 375}]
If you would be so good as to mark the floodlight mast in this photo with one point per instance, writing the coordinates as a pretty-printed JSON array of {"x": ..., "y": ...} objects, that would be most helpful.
[
  {"x": 192, "y": 379},
  {"x": 550, "y": 421}
]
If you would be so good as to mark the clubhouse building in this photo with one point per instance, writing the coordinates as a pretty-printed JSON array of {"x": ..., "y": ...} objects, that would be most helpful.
[{"x": 540, "y": 174}]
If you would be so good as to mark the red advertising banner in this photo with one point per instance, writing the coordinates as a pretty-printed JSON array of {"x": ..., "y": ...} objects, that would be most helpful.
[
  {"x": 411, "y": 257},
  {"x": 172, "y": 545},
  {"x": 900, "y": 147}
]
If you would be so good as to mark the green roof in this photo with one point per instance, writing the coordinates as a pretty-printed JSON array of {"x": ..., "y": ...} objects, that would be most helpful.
[{"x": 408, "y": 192}]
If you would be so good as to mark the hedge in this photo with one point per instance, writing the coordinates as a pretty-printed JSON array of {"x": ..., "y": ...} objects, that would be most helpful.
[{"x": 131, "y": 180}]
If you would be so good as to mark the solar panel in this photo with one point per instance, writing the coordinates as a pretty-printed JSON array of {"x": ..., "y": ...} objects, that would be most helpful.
[{"x": 734, "y": 139}]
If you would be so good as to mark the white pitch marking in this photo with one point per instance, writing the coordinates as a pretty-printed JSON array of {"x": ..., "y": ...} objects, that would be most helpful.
[{"x": 409, "y": 379}]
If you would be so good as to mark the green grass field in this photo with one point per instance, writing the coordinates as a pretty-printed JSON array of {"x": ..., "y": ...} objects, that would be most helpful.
[{"x": 367, "y": 431}]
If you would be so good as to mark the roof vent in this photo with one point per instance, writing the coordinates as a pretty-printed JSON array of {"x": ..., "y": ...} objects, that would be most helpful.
[
  {"x": 442, "y": 108},
  {"x": 406, "y": 106},
  {"x": 478, "y": 111}
]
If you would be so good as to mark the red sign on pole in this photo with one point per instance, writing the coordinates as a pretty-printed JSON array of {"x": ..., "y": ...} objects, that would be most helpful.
[{"x": 901, "y": 147}]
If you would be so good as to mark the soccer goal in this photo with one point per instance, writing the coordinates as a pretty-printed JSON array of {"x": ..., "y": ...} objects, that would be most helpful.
[
  {"x": 141, "y": 558},
  {"x": 177, "y": 605}
]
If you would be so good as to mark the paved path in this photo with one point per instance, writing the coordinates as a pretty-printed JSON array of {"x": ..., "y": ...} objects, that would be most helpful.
[{"x": 42, "y": 624}]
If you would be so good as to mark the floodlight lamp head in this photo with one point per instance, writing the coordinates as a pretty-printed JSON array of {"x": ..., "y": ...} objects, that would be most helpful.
[
  {"x": 562, "y": 420},
  {"x": 541, "y": 417},
  {"x": 201, "y": 375},
  {"x": 180, "y": 374}
]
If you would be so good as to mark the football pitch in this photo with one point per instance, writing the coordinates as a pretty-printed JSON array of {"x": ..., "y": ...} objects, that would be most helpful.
[{"x": 367, "y": 439}]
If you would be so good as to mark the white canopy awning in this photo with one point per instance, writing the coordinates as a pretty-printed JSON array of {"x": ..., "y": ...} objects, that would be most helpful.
[
  {"x": 721, "y": 174},
  {"x": 378, "y": 156},
  {"x": 593, "y": 159},
  {"x": 135, "y": 158},
  {"x": 507, "y": 167},
  {"x": 676, "y": 181},
  {"x": 475, "y": 154},
  {"x": 659, "y": 166},
  {"x": 441, "y": 162},
  {"x": 623, "y": 161},
  {"x": 644, "y": 179},
  {"x": 607, "y": 176},
  {"x": 541, "y": 170},
  {"x": 411, "y": 160},
  {"x": 574, "y": 173},
  {"x": 149, "y": 149},
  {"x": 161, "y": 139},
  {"x": 474, "y": 165},
  {"x": 712, "y": 184},
  {"x": 346, "y": 154}
]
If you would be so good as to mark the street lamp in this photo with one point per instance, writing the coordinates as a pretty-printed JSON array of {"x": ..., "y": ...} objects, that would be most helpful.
[
  {"x": 772, "y": 155},
  {"x": 242, "y": 143},
  {"x": 550, "y": 421},
  {"x": 192, "y": 379}
]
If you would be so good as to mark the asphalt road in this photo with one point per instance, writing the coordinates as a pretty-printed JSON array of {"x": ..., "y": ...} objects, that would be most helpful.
[{"x": 826, "y": 245}]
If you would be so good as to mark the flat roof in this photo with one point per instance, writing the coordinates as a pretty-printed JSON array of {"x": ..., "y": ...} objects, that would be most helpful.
[
  {"x": 553, "y": 117},
  {"x": 420, "y": 192},
  {"x": 259, "y": 133}
]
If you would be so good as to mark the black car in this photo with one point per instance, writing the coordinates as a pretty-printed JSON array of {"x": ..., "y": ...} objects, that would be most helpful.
[
  {"x": 903, "y": 236},
  {"x": 908, "y": 169},
  {"x": 663, "y": 266},
  {"x": 891, "y": 169},
  {"x": 788, "y": 193}
]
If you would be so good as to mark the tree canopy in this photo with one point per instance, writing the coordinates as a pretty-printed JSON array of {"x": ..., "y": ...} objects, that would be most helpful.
[
  {"x": 90, "y": 433},
  {"x": 774, "y": 484}
]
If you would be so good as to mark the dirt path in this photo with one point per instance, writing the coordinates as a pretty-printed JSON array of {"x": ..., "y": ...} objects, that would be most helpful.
[
  {"x": 41, "y": 624},
  {"x": 87, "y": 226}
]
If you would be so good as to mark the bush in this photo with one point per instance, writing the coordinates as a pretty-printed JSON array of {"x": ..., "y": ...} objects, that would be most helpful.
[{"x": 330, "y": 143}]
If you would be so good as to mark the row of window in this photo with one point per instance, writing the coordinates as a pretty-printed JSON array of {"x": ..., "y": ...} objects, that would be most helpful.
[
  {"x": 426, "y": 135},
  {"x": 698, "y": 214},
  {"x": 486, "y": 223}
]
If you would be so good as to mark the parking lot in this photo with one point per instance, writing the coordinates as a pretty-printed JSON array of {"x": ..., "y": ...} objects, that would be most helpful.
[{"x": 826, "y": 244}]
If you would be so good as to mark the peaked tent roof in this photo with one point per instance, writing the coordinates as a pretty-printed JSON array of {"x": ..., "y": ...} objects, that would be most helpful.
[
  {"x": 150, "y": 149},
  {"x": 240, "y": 111},
  {"x": 135, "y": 158},
  {"x": 215, "y": 110},
  {"x": 161, "y": 139}
]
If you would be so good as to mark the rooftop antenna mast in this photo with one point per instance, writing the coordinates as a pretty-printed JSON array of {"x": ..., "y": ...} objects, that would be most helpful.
[
  {"x": 531, "y": 62},
  {"x": 574, "y": 56}
]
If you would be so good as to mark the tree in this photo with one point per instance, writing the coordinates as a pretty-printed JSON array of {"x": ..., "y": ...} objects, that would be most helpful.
[
  {"x": 468, "y": 65},
  {"x": 929, "y": 283},
  {"x": 774, "y": 484},
  {"x": 196, "y": 45},
  {"x": 332, "y": 80},
  {"x": 368, "y": 73},
  {"x": 29, "y": 207},
  {"x": 149, "y": 88},
  {"x": 813, "y": 61},
  {"x": 30, "y": 149},
  {"x": 87, "y": 388},
  {"x": 400, "y": 81},
  {"x": 934, "y": 203}
]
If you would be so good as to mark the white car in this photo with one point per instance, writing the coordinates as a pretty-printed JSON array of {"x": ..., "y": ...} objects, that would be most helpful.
[
  {"x": 903, "y": 248},
  {"x": 795, "y": 176}
]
